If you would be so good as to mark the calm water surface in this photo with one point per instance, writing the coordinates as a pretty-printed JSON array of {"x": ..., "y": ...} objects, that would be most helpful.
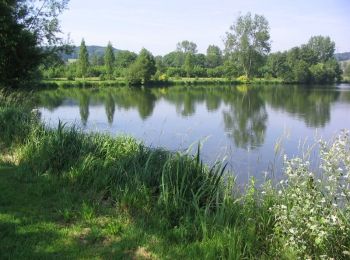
[{"x": 244, "y": 124}]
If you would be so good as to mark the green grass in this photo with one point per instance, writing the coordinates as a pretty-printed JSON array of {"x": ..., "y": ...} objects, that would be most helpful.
[
  {"x": 42, "y": 220},
  {"x": 96, "y": 82},
  {"x": 66, "y": 194}
]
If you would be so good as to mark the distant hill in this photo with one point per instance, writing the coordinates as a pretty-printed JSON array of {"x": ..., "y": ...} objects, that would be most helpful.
[
  {"x": 92, "y": 50},
  {"x": 342, "y": 56}
]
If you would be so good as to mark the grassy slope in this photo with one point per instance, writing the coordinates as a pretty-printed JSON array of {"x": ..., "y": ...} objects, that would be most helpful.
[{"x": 39, "y": 221}]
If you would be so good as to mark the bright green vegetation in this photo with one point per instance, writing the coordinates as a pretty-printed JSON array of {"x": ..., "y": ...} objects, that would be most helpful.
[
  {"x": 311, "y": 63},
  {"x": 246, "y": 57},
  {"x": 69, "y": 194},
  {"x": 32, "y": 49},
  {"x": 27, "y": 26},
  {"x": 96, "y": 82}
]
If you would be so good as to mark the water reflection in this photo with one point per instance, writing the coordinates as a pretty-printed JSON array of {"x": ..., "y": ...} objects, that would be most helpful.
[
  {"x": 84, "y": 102},
  {"x": 312, "y": 105},
  {"x": 245, "y": 119},
  {"x": 110, "y": 108}
]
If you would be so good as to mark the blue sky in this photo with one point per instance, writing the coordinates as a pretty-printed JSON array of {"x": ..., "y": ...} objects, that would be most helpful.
[{"x": 159, "y": 24}]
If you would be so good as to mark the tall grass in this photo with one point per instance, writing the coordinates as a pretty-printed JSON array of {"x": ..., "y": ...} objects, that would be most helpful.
[{"x": 195, "y": 206}]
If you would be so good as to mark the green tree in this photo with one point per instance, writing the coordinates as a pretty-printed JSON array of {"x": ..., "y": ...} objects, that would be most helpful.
[
  {"x": 161, "y": 68},
  {"x": 174, "y": 59},
  {"x": 323, "y": 47},
  {"x": 124, "y": 59},
  {"x": 83, "y": 60},
  {"x": 347, "y": 69},
  {"x": 186, "y": 47},
  {"x": 189, "y": 64},
  {"x": 276, "y": 65},
  {"x": 214, "y": 56},
  {"x": 97, "y": 60},
  {"x": 109, "y": 60},
  {"x": 248, "y": 41},
  {"x": 200, "y": 60},
  {"x": 141, "y": 71},
  {"x": 26, "y": 26}
]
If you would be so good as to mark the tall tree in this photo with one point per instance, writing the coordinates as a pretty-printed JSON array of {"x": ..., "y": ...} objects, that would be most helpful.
[
  {"x": 248, "y": 42},
  {"x": 187, "y": 47},
  {"x": 189, "y": 64},
  {"x": 323, "y": 47},
  {"x": 123, "y": 59},
  {"x": 26, "y": 26},
  {"x": 109, "y": 60},
  {"x": 214, "y": 56},
  {"x": 83, "y": 59},
  {"x": 141, "y": 71}
]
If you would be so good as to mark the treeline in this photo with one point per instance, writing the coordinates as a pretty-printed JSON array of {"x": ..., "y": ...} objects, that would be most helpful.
[
  {"x": 30, "y": 43},
  {"x": 313, "y": 62}
]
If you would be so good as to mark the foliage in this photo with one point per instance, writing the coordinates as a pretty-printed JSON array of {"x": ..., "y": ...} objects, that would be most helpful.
[
  {"x": 174, "y": 59},
  {"x": 248, "y": 41},
  {"x": 347, "y": 69},
  {"x": 109, "y": 60},
  {"x": 26, "y": 27},
  {"x": 142, "y": 70},
  {"x": 83, "y": 60},
  {"x": 322, "y": 47},
  {"x": 214, "y": 56},
  {"x": 312, "y": 215},
  {"x": 124, "y": 59},
  {"x": 313, "y": 62},
  {"x": 186, "y": 47},
  {"x": 189, "y": 64}
]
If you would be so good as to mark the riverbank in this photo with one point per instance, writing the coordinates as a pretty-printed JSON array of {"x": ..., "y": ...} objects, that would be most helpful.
[
  {"x": 96, "y": 82},
  {"x": 91, "y": 195}
]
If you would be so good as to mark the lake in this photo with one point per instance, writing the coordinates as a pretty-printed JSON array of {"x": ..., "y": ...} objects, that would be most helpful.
[{"x": 250, "y": 127}]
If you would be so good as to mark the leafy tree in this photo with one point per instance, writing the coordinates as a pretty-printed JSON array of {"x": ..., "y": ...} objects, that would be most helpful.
[
  {"x": 161, "y": 68},
  {"x": 214, "y": 56},
  {"x": 189, "y": 64},
  {"x": 109, "y": 59},
  {"x": 26, "y": 26},
  {"x": 347, "y": 69},
  {"x": 323, "y": 47},
  {"x": 301, "y": 72},
  {"x": 200, "y": 60},
  {"x": 174, "y": 59},
  {"x": 311, "y": 62},
  {"x": 248, "y": 39},
  {"x": 83, "y": 60},
  {"x": 187, "y": 47},
  {"x": 141, "y": 71},
  {"x": 276, "y": 65},
  {"x": 124, "y": 59},
  {"x": 97, "y": 60}
]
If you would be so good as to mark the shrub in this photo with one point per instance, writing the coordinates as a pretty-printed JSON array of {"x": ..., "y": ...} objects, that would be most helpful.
[
  {"x": 243, "y": 79},
  {"x": 313, "y": 211}
]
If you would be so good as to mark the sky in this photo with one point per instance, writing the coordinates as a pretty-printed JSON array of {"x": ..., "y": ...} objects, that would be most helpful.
[{"x": 158, "y": 25}]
